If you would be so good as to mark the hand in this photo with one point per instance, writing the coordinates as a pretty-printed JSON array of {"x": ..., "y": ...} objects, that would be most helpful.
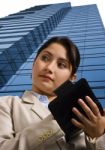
[{"x": 94, "y": 124}]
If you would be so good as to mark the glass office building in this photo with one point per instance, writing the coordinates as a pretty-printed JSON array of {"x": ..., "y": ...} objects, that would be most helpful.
[{"x": 21, "y": 35}]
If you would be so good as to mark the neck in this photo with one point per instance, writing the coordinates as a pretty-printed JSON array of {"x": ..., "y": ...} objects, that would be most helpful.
[{"x": 50, "y": 96}]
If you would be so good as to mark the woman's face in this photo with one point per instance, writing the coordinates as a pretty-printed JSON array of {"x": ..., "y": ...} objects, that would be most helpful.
[{"x": 50, "y": 69}]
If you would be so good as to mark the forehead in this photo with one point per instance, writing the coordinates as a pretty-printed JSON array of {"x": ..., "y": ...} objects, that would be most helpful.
[{"x": 57, "y": 50}]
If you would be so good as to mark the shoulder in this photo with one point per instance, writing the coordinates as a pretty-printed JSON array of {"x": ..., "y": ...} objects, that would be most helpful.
[{"x": 7, "y": 101}]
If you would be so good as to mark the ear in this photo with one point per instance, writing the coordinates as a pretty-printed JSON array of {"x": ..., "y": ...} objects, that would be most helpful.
[{"x": 73, "y": 77}]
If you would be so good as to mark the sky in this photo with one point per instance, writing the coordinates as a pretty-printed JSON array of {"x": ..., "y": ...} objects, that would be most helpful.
[{"x": 12, "y": 6}]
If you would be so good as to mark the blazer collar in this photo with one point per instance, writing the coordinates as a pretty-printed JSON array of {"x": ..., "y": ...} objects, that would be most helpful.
[
  {"x": 28, "y": 97},
  {"x": 37, "y": 106}
]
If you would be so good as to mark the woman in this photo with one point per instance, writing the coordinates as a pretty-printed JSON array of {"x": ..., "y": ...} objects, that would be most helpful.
[{"x": 27, "y": 124}]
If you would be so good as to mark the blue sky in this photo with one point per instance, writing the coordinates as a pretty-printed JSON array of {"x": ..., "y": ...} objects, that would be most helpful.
[{"x": 12, "y": 6}]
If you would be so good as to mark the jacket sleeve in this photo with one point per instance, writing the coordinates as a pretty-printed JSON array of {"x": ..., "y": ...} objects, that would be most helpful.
[
  {"x": 95, "y": 144},
  {"x": 30, "y": 137}
]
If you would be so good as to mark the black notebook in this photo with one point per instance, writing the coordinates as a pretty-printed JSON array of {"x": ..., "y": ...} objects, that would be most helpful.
[{"x": 67, "y": 97}]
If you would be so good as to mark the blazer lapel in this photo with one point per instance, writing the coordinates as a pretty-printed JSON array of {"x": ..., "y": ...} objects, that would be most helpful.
[{"x": 37, "y": 106}]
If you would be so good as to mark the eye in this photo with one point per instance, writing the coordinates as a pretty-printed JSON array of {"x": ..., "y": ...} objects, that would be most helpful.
[
  {"x": 62, "y": 65},
  {"x": 45, "y": 58}
]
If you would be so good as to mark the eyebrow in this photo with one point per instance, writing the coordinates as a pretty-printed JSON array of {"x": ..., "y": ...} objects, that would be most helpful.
[{"x": 63, "y": 59}]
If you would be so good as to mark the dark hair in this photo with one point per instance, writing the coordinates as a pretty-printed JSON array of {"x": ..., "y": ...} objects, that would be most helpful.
[{"x": 72, "y": 50}]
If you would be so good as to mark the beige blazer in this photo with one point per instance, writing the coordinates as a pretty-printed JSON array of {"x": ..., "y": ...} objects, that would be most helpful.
[{"x": 25, "y": 124}]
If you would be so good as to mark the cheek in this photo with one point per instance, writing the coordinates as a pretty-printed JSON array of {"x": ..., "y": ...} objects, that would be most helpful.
[
  {"x": 62, "y": 77},
  {"x": 36, "y": 66},
  {"x": 35, "y": 69}
]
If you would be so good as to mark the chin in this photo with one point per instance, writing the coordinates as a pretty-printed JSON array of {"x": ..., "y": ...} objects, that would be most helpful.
[
  {"x": 46, "y": 91},
  {"x": 43, "y": 88}
]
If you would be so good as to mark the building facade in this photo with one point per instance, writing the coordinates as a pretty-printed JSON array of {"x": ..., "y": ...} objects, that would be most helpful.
[{"x": 21, "y": 35}]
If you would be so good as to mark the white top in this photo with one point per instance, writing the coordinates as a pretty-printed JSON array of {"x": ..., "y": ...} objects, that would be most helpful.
[{"x": 42, "y": 98}]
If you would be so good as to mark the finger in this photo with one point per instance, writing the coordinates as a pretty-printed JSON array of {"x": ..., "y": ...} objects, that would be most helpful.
[
  {"x": 86, "y": 109},
  {"x": 93, "y": 106},
  {"x": 77, "y": 123},
  {"x": 81, "y": 117}
]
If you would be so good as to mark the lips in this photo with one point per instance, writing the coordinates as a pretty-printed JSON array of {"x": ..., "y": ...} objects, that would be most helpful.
[{"x": 46, "y": 77}]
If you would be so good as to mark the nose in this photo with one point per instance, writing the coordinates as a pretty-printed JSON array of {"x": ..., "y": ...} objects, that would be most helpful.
[{"x": 50, "y": 67}]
